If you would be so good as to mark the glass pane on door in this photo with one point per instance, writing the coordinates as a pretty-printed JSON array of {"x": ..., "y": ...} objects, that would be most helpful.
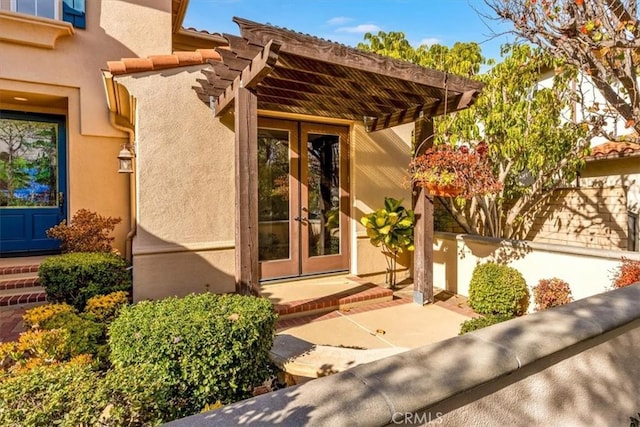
[
  {"x": 273, "y": 195},
  {"x": 28, "y": 163},
  {"x": 323, "y": 204}
]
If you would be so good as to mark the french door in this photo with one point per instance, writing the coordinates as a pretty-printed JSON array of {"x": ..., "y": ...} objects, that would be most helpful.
[{"x": 303, "y": 198}]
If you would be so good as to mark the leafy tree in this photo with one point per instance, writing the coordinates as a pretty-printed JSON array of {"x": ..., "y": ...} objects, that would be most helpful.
[
  {"x": 531, "y": 147},
  {"x": 599, "y": 37}
]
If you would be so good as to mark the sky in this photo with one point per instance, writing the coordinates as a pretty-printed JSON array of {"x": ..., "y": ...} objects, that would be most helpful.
[{"x": 346, "y": 21}]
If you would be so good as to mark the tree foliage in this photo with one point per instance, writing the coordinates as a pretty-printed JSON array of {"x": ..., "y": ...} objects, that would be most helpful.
[
  {"x": 599, "y": 37},
  {"x": 533, "y": 144}
]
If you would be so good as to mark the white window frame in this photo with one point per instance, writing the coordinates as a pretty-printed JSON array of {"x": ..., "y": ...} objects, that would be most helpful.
[{"x": 13, "y": 6}]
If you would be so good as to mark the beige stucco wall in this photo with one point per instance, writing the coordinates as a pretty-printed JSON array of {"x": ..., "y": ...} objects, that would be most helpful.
[
  {"x": 596, "y": 386},
  {"x": 186, "y": 189},
  {"x": 379, "y": 162},
  {"x": 588, "y": 271},
  {"x": 69, "y": 77}
]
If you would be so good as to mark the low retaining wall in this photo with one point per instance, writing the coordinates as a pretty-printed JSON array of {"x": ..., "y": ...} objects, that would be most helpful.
[
  {"x": 572, "y": 365},
  {"x": 588, "y": 271}
]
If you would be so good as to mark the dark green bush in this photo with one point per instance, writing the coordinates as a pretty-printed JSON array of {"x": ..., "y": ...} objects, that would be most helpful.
[
  {"x": 56, "y": 394},
  {"x": 215, "y": 346},
  {"x": 73, "y": 394},
  {"x": 86, "y": 336},
  {"x": 76, "y": 277},
  {"x": 482, "y": 322},
  {"x": 498, "y": 289},
  {"x": 137, "y": 396}
]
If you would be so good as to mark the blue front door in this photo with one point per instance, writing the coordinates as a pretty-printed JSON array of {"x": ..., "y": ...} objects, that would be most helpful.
[{"x": 32, "y": 181}]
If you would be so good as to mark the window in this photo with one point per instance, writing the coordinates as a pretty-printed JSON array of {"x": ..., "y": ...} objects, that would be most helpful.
[
  {"x": 72, "y": 10},
  {"x": 41, "y": 8}
]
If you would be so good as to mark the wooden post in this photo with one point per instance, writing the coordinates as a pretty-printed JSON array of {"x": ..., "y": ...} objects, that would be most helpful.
[
  {"x": 246, "y": 174},
  {"x": 423, "y": 231}
]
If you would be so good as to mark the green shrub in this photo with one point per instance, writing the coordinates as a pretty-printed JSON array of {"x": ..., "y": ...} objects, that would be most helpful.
[
  {"x": 73, "y": 394},
  {"x": 215, "y": 346},
  {"x": 138, "y": 395},
  {"x": 482, "y": 322},
  {"x": 88, "y": 232},
  {"x": 85, "y": 335},
  {"x": 498, "y": 289},
  {"x": 551, "y": 293},
  {"x": 105, "y": 308},
  {"x": 74, "y": 278},
  {"x": 55, "y": 394}
]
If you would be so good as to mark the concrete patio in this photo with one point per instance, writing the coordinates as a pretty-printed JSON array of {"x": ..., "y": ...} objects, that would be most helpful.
[{"x": 322, "y": 343}]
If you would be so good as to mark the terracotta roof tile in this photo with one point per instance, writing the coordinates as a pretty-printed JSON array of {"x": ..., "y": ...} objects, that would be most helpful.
[
  {"x": 205, "y": 32},
  {"x": 161, "y": 62},
  {"x": 611, "y": 149}
]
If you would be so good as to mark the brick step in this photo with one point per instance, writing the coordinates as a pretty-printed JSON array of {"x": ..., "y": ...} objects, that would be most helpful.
[
  {"x": 19, "y": 269},
  {"x": 16, "y": 282},
  {"x": 325, "y": 304},
  {"x": 16, "y": 297}
]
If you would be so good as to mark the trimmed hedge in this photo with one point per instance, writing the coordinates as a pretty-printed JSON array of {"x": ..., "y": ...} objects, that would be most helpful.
[
  {"x": 482, "y": 322},
  {"x": 72, "y": 394},
  {"x": 498, "y": 289},
  {"x": 56, "y": 394},
  {"x": 216, "y": 347},
  {"x": 76, "y": 277}
]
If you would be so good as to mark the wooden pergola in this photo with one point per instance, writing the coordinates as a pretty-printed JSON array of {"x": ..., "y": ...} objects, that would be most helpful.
[{"x": 274, "y": 69}]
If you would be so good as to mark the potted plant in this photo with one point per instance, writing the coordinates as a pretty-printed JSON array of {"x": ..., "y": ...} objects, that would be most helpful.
[
  {"x": 392, "y": 228},
  {"x": 448, "y": 171}
]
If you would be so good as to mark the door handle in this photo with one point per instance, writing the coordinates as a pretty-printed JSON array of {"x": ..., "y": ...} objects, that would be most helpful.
[
  {"x": 61, "y": 199},
  {"x": 300, "y": 218}
]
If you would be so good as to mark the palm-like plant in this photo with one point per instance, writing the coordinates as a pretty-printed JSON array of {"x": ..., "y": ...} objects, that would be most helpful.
[{"x": 392, "y": 228}]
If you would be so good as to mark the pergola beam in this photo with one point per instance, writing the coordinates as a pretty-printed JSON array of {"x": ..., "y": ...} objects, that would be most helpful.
[{"x": 250, "y": 76}]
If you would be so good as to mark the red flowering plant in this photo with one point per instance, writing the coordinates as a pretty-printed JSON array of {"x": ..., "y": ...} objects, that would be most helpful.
[
  {"x": 455, "y": 171},
  {"x": 627, "y": 273}
]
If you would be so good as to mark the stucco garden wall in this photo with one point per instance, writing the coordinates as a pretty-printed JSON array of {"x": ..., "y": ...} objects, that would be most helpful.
[
  {"x": 575, "y": 365},
  {"x": 186, "y": 187},
  {"x": 588, "y": 271},
  {"x": 379, "y": 162}
]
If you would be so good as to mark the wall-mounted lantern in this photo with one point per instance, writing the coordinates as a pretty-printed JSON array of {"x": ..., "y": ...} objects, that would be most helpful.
[{"x": 125, "y": 160}]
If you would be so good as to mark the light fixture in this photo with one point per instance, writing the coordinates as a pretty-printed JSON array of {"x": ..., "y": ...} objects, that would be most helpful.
[
  {"x": 368, "y": 122},
  {"x": 125, "y": 160},
  {"x": 20, "y": 98}
]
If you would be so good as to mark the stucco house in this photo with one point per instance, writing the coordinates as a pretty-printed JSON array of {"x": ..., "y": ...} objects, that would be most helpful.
[
  {"x": 253, "y": 157},
  {"x": 52, "y": 94}
]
